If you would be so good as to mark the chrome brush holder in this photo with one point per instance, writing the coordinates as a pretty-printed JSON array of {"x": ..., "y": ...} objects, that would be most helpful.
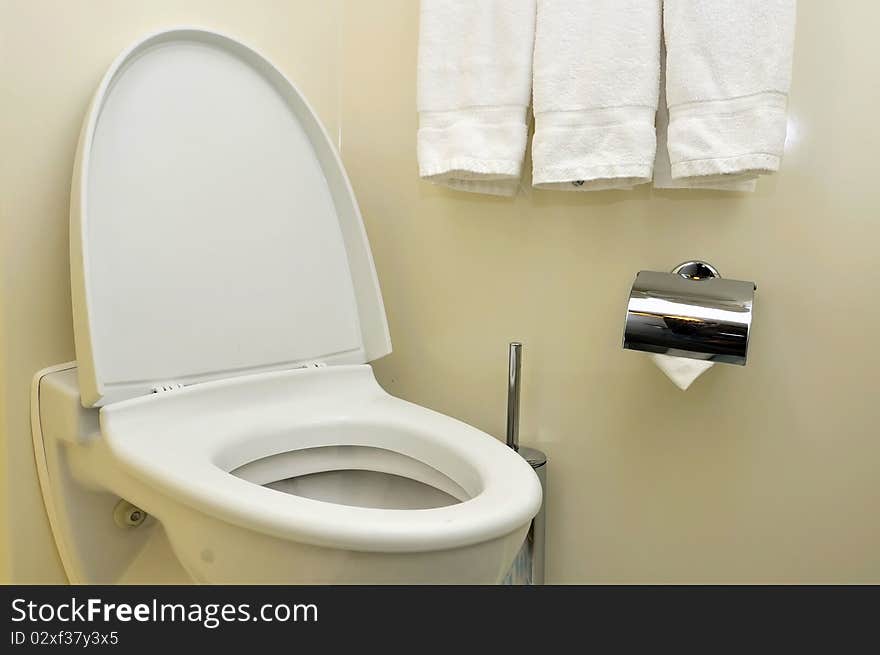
[
  {"x": 691, "y": 312},
  {"x": 528, "y": 567}
]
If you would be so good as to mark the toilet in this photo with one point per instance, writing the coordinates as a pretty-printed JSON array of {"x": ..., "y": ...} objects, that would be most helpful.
[{"x": 222, "y": 423}]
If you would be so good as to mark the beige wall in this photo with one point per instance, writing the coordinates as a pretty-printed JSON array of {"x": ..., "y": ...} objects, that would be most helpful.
[
  {"x": 767, "y": 473},
  {"x": 5, "y": 563},
  {"x": 763, "y": 473},
  {"x": 52, "y": 56}
]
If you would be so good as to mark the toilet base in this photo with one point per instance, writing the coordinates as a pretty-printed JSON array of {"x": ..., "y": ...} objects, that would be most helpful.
[{"x": 92, "y": 547}]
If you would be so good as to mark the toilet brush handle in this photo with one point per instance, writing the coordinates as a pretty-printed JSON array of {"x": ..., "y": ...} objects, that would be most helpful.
[{"x": 514, "y": 367}]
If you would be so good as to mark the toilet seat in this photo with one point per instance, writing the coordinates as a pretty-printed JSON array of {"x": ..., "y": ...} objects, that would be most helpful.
[{"x": 185, "y": 444}]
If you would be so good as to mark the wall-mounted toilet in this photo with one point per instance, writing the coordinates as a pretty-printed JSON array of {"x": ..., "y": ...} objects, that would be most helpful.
[{"x": 226, "y": 309}]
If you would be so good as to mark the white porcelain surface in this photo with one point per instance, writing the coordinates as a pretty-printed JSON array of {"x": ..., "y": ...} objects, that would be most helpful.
[
  {"x": 199, "y": 460},
  {"x": 365, "y": 489},
  {"x": 184, "y": 444}
]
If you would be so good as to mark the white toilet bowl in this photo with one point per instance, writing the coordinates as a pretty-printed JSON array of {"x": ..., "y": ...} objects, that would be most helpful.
[
  {"x": 226, "y": 308},
  {"x": 233, "y": 472}
]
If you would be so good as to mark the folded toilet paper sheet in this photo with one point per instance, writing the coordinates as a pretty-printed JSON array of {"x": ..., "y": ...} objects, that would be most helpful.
[{"x": 681, "y": 370}]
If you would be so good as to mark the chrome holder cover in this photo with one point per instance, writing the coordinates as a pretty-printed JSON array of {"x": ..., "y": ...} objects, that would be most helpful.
[{"x": 690, "y": 312}]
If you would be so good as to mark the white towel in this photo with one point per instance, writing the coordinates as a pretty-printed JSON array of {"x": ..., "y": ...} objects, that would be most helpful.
[
  {"x": 681, "y": 370},
  {"x": 597, "y": 68},
  {"x": 474, "y": 86},
  {"x": 728, "y": 72},
  {"x": 662, "y": 168}
]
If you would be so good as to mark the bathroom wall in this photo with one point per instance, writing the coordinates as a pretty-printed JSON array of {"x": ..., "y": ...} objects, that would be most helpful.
[
  {"x": 766, "y": 473},
  {"x": 758, "y": 474},
  {"x": 5, "y": 563},
  {"x": 52, "y": 56}
]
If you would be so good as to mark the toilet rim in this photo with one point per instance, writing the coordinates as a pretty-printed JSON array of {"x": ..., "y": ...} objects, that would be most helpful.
[
  {"x": 505, "y": 494},
  {"x": 375, "y": 431}
]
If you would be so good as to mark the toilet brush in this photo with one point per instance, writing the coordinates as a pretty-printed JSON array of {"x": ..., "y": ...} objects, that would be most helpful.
[{"x": 528, "y": 567}]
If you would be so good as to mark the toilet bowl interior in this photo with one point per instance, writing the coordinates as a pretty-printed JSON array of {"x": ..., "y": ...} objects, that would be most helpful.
[
  {"x": 355, "y": 475},
  {"x": 365, "y": 489}
]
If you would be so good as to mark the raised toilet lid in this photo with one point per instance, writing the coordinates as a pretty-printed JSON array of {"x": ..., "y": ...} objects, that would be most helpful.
[{"x": 213, "y": 230}]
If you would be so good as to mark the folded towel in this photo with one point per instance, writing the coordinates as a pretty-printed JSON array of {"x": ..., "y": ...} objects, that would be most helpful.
[
  {"x": 662, "y": 168},
  {"x": 474, "y": 86},
  {"x": 727, "y": 80},
  {"x": 681, "y": 370},
  {"x": 597, "y": 67}
]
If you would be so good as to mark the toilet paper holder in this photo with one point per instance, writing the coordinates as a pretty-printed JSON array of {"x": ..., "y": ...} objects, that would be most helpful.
[{"x": 690, "y": 312}]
